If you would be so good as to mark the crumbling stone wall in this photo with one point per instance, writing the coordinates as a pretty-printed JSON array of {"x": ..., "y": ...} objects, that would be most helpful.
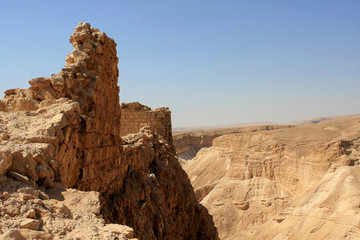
[
  {"x": 65, "y": 131},
  {"x": 91, "y": 77},
  {"x": 134, "y": 115},
  {"x": 82, "y": 142}
]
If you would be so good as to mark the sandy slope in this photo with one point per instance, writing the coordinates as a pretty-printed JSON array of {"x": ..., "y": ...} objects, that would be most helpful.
[{"x": 290, "y": 183}]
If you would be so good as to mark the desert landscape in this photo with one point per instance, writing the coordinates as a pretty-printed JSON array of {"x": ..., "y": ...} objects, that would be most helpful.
[
  {"x": 279, "y": 182},
  {"x": 180, "y": 120}
]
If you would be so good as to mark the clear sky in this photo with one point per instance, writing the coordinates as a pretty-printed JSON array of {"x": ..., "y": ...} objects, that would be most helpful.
[{"x": 212, "y": 62}]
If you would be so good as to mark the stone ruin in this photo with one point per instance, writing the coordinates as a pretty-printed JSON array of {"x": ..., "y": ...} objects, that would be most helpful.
[
  {"x": 135, "y": 115},
  {"x": 64, "y": 131}
]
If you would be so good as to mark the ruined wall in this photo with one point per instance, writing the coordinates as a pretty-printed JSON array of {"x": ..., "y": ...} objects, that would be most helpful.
[
  {"x": 91, "y": 79},
  {"x": 133, "y": 115},
  {"x": 83, "y": 132},
  {"x": 65, "y": 131}
]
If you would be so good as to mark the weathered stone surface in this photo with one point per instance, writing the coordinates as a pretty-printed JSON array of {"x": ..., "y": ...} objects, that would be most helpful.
[
  {"x": 140, "y": 196},
  {"x": 12, "y": 209},
  {"x": 65, "y": 132},
  {"x": 289, "y": 183},
  {"x": 40, "y": 82},
  {"x": 5, "y": 161},
  {"x": 188, "y": 143},
  {"x": 24, "y": 234},
  {"x": 134, "y": 115},
  {"x": 119, "y": 229},
  {"x": 32, "y": 224},
  {"x": 63, "y": 214}
]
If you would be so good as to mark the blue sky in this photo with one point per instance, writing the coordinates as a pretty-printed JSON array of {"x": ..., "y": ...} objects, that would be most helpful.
[{"x": 212, "y": 62}]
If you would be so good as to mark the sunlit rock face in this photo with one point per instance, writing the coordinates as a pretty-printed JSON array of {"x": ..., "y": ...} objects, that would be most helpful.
[
  {"x": 64, "y": 131},
  {"x": 288, "y": 183}
]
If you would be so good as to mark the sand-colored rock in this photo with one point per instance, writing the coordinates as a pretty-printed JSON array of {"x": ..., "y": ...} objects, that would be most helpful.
[
  {"x": 134, "y": 115},
  {"x": 156, "y": 206},
  {"x": 57, "y": 213},
  {"x": 290, "y": 183},
  {"x": 64, "y": 132},
  {"x": 188, "y": 143},
  {"x": 24, "y": 234},
  {"x": 32, "y": 224}
]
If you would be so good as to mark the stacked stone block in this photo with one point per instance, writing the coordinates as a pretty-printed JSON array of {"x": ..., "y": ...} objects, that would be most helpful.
[{"x": 134, "y": 115}]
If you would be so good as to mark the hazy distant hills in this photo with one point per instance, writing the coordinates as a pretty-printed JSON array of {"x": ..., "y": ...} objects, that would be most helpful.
[
  {"x": 200, "y": 128},
  {"x": 323, "y": 119},
  {"x": 296, "y": 123}
]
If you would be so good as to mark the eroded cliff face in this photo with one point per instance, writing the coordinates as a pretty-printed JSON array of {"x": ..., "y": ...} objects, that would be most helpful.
[
  {"x": 187, "y": 144},
  {"x": 64, "y": 131},
  {"x": 291, "y": 183},
  {"x": 155, "y": 195}
]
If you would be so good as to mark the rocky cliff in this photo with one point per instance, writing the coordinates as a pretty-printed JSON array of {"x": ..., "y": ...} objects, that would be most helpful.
[
  {"x": 64, "y": 131},
  {"x": 290, "y": 183}
]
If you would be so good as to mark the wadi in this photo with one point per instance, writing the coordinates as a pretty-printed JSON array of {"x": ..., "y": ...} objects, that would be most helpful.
[{"x": 278, "y": 182}]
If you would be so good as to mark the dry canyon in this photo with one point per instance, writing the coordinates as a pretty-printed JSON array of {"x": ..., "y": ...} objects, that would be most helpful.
[{"x": 279, "y": 182}]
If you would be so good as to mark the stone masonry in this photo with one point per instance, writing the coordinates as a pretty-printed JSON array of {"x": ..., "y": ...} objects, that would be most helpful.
[{"x": 134, "y": 115}]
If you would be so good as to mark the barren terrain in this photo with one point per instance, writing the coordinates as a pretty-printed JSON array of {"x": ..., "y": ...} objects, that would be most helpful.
[
  {"x": 58, "y": 213},
  {"x": 287, "y": 183},
  {"x": 188, "y": 143}
]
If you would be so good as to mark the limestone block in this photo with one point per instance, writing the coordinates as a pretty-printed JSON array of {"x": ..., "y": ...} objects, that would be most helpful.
[
  {"x": 10, "y": 92},
  {"x": 12, "y": 209},
  {"x": 57, "y": 82},
  {"x": 60, "y": 119},
  {"x": 31, "y": 214},
  {"x": 5, "y": 161},
  {"x": 32, "y": 224},
  {"x": 40, "y": 82},
  {"x": 119, "y": 229},
  {"x": 22, "y": 234}
]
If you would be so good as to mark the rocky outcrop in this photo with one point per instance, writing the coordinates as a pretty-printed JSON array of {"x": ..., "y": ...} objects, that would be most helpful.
[
  {"x": 155, "y": 194},
  {"x": 29, "y": 213},
  {"x": 64, "y": 131},
  {"x": 290, "y": 183},
  {"x": 187, "y": 145},
  {"x": 73, "y": 114}
]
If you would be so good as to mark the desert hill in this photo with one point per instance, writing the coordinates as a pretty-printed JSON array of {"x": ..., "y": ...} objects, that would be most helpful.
[
  {"x": 323, "y": 119},
  {"x": 188, "y": 143},
  {"x": 286, "y": 183}
]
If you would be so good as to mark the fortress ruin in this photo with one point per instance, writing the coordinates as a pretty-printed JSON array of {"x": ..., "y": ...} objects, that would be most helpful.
[{"x": 134, "y": 115}]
